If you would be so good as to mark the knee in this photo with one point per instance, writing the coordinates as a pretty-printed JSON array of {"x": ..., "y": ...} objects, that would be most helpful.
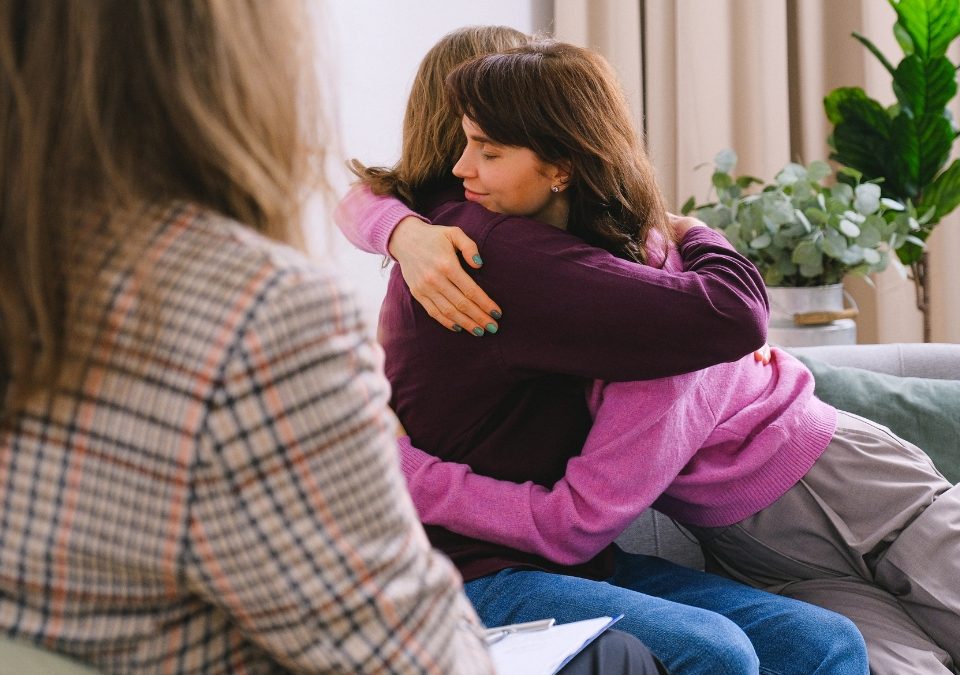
[
  {"x": 841, "y": 646},
  {"x": 734, "y": 653},
  {"x": 723, "y": 645},
  {"x": 825, "y": 642}
]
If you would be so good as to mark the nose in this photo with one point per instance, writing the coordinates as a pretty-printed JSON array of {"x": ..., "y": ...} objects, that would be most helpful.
[{"x": 463, "y": 167}]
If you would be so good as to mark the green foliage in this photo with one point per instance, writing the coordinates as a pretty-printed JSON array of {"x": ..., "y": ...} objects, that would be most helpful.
[
  {"x": 800, "y": 231},
  {"x": 906, "y": 146}
]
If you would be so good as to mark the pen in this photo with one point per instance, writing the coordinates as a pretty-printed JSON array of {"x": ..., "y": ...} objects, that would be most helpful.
[{"x": 494, "y": 635}]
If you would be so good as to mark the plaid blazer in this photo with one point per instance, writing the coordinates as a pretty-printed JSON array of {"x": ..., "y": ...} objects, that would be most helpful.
[{"x": 213, "y": 486}]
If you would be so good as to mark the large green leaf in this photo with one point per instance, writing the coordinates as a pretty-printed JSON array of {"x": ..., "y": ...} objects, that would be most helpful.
[
  {"x": 905, "y": 147},
  {"x": 861, "y": 137},
  {"x": 905, "y": 153},
  {"x": 903, "y": 39},
  {"x": 919, "y": 149},
  {"x": 832, "y": 101},
  {"x": 935, "y": 139},
  {"x": 923, "y": 87},
  {"x": 943, "y": 193},
  {"x": 931, "y": 24}
]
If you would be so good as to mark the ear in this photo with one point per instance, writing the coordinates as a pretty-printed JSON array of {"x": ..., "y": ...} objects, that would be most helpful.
[{"x": 561, "y": 172}]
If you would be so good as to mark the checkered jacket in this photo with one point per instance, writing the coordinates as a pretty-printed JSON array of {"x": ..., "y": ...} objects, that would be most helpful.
[{"x": 213, "y": 486}]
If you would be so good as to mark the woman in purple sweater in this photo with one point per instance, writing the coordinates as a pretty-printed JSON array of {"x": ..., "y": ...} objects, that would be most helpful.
[
  {"x": 513, "y": 406},
  {"x": 783, "y": 491}
]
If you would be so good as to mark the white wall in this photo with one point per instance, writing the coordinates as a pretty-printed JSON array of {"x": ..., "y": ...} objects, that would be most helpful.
[{"x": 375, "y": 48}]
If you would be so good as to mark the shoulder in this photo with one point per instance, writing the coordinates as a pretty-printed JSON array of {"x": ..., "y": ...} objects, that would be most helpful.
[
  {"x": 282, "y": 282},
  {"x": 226, "y": 279},
  {"x": 518, "y": 235},
  {"x": 472, "y": 218},
  {"x": 229, "y": 258}
]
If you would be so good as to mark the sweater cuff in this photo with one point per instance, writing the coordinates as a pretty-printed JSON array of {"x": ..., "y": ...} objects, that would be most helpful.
[
  {"x": 380, "y": 234},
  {"x": 411, "y": 458}
]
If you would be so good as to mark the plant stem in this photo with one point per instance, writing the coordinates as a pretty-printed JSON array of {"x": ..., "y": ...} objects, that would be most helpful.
[
  {"x": 876, "y": 52},
  {"x": 921, "y": 283}
]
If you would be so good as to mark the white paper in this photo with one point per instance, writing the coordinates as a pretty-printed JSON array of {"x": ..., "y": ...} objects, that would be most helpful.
[{"x": 543, "y": 652}]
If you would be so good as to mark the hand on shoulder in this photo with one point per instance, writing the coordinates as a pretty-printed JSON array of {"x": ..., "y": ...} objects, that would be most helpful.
[
  {"x": 683, "y": 224},
  {"x": 429, "y": 259}
]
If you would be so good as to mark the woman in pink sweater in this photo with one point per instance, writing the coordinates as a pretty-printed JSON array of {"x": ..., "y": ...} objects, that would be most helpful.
[{"x": 783, "y": 491}]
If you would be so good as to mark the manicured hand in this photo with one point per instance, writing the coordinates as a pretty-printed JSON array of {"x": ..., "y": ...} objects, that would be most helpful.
[{"x": 429, "y": 262}]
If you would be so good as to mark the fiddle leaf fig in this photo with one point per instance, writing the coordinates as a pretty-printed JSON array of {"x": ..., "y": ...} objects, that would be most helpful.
[
  {"x": 861, "y": 134},
  {"x": 931, "y": 24},
  {"x": 943, "y": 194},
  {"x": 798, "y": 230},
  {"x": 924, "y": 86},
  {"x": 904, "y": 148}
]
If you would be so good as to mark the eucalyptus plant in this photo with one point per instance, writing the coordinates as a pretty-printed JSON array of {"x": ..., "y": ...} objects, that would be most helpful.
[
  {"x": 802, "y": 231},
  {"x": 905, "y": 147}
]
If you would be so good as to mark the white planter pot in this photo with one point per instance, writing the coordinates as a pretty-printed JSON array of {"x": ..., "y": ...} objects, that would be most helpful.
[{"x": 786, "y": 302}]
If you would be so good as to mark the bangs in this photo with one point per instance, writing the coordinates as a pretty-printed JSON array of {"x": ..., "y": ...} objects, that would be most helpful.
[{"x": 502, "y": 94}]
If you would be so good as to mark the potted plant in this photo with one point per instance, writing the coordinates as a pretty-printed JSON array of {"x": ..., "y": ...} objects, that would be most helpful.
[
  {"x": 905, "y": 147},
  {"x": 805, "y": 232}
]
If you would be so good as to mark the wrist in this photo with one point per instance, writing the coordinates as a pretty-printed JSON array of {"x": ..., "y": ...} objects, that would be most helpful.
[
  {"x": 401, "y": 233},
  {"x": 411, "y": 458}
]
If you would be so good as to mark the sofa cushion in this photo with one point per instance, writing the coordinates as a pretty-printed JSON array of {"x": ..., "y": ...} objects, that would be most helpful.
[
  {"x": 925, "y": 412},
  {"x": 22, "y": 657}
]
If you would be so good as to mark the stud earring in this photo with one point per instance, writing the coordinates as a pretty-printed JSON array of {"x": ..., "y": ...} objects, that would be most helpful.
[{"x": 555, "y": 188}]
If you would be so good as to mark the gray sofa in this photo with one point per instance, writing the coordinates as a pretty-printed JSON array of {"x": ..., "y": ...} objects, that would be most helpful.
[
  {"x": 651, "y": 532},
  {"x": 655, "y": 534}
]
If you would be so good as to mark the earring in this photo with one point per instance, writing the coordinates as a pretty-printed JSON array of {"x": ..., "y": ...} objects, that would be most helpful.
[{"x": 555, "y": 188}]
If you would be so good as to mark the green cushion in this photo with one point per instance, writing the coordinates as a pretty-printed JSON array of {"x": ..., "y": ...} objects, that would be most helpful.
[
  {"x": 21, "y": 657},
  {"x": 925, "y": 412}
]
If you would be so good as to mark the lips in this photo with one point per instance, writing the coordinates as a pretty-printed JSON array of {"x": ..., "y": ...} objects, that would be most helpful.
[{"x": 472, "y": 196}]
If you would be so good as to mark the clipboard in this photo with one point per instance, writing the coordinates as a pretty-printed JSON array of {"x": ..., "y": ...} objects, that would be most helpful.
[{"x": 544, "y": 652}]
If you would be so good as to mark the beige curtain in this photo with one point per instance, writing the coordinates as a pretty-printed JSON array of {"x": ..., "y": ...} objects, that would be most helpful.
[{"x": 704, "y": 75}]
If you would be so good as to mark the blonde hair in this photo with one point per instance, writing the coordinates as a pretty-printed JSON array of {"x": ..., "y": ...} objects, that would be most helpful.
[
  {"x": 106, "y": 104},
  {"x": 432, "y": 137}
]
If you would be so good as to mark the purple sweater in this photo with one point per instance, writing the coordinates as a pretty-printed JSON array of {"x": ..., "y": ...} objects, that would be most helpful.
[{"x": 513, "y": 406}]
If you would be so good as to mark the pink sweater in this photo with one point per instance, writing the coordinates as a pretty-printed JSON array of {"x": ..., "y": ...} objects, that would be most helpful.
[
  {"x": 708, "y": 448},
  {"x": 367, "y": 221}
]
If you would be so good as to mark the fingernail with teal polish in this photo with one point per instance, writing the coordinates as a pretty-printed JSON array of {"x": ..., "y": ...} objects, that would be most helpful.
[
  {"x": 496, "y": 315},
  {"x": 491, "y": 328},
  {"x": 478, "y": 260},
  {"x": 478, "y": 331},
  {"x": 457, "y": 327}
]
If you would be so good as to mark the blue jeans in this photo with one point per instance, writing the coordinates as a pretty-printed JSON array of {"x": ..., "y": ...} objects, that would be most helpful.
[{"x": 692, "y": 621}]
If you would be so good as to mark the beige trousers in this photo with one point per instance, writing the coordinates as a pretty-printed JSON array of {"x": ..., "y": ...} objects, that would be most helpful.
[{"x": 871, "y": 532}]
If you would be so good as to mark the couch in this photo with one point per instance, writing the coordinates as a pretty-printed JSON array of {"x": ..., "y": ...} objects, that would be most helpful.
[
  {"x": 903, "y": 378},
  {"x": 898, "y": 385}
]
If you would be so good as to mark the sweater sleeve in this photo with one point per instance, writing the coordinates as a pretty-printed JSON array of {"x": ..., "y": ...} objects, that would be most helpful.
[
  {"x": 577, "y": 310},
  {"x": 368, "y": 220},
  {"x": 644, "y": 434}
]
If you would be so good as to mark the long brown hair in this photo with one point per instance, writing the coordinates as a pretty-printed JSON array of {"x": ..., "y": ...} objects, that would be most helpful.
[
  {"x": 432, "y": 137},
  {"x": 565, "y": 104},
  {"x": 106, "y": 104}
]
